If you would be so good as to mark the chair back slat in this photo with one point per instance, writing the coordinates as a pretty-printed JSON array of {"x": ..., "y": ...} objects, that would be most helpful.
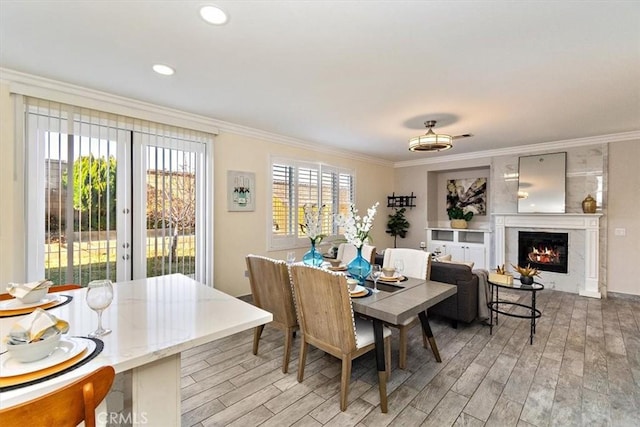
[
  {"x": 271, "y": 288},
  {"x": 324, "y": 309}
]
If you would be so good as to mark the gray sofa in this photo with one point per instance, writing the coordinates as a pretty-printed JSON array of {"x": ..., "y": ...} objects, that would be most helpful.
[{"x": 463, "y": 306}]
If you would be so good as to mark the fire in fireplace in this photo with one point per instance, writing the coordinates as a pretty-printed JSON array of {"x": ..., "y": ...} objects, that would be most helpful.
[{"x": 544, "y": 251}]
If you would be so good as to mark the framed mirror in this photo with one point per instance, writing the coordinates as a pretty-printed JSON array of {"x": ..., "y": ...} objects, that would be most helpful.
[{"x": 542, "y": 183}]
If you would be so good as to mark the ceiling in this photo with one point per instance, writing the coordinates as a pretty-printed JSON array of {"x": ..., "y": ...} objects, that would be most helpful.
[{"x": 357, "y": 75}]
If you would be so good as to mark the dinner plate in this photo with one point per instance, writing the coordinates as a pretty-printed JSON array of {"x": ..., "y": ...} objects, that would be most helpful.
[
  {"x": 364, "y": 293},
  {"x": 15, "y": 304},
  {"x": 391, "y": 279},
  {"x": 67, "y": 349}
]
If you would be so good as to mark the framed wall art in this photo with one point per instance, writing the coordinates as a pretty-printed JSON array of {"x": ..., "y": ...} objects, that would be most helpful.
[
  {"x": 469, "y": 194},
  {"x": 241, "y": 191}
]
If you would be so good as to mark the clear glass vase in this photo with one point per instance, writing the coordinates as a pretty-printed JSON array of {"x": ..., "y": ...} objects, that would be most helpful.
[
  {"x": 359, "y": 268},
  {"x": 313, "y": 257}
]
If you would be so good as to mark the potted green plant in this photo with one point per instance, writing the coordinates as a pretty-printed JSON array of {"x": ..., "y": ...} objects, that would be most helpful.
[
  {"x": 397, "y": 225},
  {"x": 459, "y": 217}
]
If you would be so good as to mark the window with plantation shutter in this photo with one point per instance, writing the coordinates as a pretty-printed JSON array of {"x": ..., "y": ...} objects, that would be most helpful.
[{"x": 296, "y": 183}]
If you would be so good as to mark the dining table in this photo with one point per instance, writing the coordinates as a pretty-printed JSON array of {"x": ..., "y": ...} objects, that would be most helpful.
[
  {"x": 395, "y": 303},
  {"x": 153, "y": 320}
]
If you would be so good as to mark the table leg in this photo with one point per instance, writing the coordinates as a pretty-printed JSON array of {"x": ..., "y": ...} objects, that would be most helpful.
[
  {"x": 497, "y": 303},
  {"x": 380, "y": 363},
  {"x": 156, "y": 405},
  {"x": 424, "y": 320},
  {"x": 533, "y": 317},
  {"x": 489, "y": 305}
]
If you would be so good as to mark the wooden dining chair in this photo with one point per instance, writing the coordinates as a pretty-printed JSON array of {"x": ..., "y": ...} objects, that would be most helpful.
[
  {"x": 417, "y": 264},
  {"x": 55, "y": 288},
  {"x": 67, "y": 406},
  {"x": 327, "y": 322},
  {"x": 271, "y": 290},
  {"x": 347, "y": 252}
]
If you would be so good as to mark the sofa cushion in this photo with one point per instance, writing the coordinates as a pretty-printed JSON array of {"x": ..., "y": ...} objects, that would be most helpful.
[{"x": 468, "y": 264}]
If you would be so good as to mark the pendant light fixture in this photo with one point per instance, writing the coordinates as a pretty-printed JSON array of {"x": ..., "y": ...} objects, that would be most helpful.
[{"x": 430, "y": 141}]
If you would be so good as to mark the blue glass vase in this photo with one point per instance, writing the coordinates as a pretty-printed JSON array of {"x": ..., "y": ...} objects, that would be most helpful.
[
  {"x": 313, "y": 257},
  {"x": 359, "y": 268}
]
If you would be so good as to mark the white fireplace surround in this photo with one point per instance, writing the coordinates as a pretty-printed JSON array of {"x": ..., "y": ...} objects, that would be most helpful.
[{"x": 590, "y": 223}]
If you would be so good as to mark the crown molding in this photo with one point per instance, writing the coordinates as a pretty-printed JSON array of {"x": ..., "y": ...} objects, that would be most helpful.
[
  {"x": 531, "y": 148},
  {"x": 66, "y": 93},
  {"x": 41, "y": 87}
]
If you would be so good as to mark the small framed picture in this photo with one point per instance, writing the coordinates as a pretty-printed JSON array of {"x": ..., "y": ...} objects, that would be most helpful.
[{"x": 241, "y": 188}]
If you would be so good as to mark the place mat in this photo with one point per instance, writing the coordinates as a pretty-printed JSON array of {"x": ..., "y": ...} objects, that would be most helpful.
[
  {"x": 340, "y": 268},
  {"x": 62, "y": 300},
  {"x": 31, "y": 378},
  {"x": 392, "y": 279}
]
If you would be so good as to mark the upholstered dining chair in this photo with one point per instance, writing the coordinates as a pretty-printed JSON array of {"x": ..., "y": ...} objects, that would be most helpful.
[
  {"x": 327, "y": 322},
  {"x": 67, "y": 406},
  {"x": 55, "y": 288},
  {"x": 271, "y": 290},
  {"x": 417, "y": 264},
  {"x": 347, "y": 252}
]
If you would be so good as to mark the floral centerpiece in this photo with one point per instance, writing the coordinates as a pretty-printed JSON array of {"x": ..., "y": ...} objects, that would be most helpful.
[
  {"x": 356, "y": 232},
  {"x": 312, "y": 228}
]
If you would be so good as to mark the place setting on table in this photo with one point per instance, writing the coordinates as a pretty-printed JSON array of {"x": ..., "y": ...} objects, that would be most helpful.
[
  {"x": 37, "y": 347},
  {"x": 24, "y": 298}
]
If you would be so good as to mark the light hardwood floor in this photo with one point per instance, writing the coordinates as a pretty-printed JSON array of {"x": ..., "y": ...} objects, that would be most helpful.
[{"x": 583, "y": 369}]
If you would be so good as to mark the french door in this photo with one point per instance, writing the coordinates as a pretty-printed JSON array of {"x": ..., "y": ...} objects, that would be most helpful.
[{"x": 118, "y": 198}]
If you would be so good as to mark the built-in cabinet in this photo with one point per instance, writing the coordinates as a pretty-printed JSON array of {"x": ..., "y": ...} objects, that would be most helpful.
[{"x": 464, "y": 245}]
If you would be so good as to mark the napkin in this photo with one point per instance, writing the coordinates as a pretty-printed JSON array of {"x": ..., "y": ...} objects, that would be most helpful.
[
  {"x": 37, "y": 325},
  {"x": 20, "y": 290}
]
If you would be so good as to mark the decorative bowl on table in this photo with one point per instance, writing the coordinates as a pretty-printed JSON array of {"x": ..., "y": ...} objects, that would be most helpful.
[
  {"x": 31, "y": 351},
  {"x": 335, "y": 263},
  {"x": 31, "y": 296},
  {"x": 388, "y": 272}
]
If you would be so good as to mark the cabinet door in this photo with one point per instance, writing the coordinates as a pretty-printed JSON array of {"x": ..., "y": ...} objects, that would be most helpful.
[
  {"x": 477, "y": 255},
  {"x": 457, "y": 252}
]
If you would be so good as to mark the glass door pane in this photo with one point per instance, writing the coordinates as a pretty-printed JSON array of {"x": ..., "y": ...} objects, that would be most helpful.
[
  {"x": 81, "y": 204},
  {"x": 172, "y": 176}
]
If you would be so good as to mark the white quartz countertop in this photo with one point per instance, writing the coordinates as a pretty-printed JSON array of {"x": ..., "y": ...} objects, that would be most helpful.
[{"x": 151, "y": 319}]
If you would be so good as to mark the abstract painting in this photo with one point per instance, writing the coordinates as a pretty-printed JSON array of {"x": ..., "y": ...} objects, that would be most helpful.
[{"x": 470, "y": 194}]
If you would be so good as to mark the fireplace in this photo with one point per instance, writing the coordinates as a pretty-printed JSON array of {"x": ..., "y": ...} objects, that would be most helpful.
[{"x": 544, "y": 251}]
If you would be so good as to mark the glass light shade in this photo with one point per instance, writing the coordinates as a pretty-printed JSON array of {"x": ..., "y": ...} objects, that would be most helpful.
[{"x": 430, "y": 141}]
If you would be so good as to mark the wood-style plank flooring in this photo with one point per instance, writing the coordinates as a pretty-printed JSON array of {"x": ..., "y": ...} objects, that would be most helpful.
[{"x": 583, "y": 369}]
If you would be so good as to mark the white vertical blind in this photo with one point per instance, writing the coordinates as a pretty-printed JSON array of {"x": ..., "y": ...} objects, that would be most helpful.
[{"x": 104, "y": 238}]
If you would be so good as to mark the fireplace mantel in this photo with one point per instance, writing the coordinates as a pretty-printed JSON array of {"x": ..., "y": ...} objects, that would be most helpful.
[{"x": 590, "y": 223}]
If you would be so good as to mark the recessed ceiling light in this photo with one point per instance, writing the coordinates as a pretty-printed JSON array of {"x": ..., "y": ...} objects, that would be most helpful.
[
  {"x": 213, "y": 15},
  {"x": 165, "y": 70}
]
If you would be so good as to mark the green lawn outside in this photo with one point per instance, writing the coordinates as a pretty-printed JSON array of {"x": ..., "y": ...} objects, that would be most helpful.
[{"x": 91, "y": 259}]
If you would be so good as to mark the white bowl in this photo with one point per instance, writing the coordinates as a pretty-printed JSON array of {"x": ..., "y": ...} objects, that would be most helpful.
[
  {"x": 34, "y": 296},
  {"x": 30, "y": 352},
  {"x": 388, "y": 272},
  {"x": 335, "y": 262}
]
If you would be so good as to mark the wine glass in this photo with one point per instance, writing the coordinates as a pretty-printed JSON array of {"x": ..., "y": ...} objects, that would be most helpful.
[
  {"x": 376, "y": 272},
  {"x": 291, "y": 257},
  {"x": 99, "y": 297},
  {"x": 399, "y": 266}
]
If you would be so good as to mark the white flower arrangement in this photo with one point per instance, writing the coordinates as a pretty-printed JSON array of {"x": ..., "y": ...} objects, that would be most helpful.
[
  {"x": 312, "y": 226},
  {"x": 356, "y": 229}
]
